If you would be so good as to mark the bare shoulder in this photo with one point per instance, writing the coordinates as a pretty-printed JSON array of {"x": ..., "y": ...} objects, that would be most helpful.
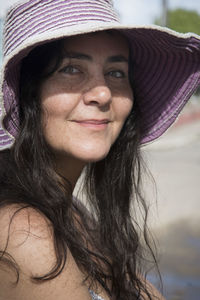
[
  {"x": 28, "y": 238},
  {"x": 25, "y": 231}
]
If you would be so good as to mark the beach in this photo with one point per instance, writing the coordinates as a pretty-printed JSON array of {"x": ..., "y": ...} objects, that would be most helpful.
[{"x": 174, "y": 161}]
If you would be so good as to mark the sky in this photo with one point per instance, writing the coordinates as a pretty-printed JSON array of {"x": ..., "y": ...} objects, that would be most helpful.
[{"x": 134, "y": 11}]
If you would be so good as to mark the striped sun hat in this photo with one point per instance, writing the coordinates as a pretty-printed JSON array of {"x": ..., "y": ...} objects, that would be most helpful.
[{"x": 166, "y": 64}]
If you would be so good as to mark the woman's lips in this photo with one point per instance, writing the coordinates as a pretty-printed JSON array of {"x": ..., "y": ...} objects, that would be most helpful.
[{"x": 93, "y": 123}]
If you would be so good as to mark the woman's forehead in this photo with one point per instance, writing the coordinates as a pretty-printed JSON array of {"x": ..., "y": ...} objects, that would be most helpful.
[{"x": 110, "y": 42}]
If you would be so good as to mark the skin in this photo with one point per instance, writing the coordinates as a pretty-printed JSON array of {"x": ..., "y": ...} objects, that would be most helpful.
[{"x": 86, "y": 101}]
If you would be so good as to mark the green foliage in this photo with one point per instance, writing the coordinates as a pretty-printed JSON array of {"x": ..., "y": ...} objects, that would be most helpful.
[{"x": 184, "y": 21}]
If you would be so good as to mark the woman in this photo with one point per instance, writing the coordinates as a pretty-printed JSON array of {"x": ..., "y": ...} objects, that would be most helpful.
[{"x": 81, "y": 91}]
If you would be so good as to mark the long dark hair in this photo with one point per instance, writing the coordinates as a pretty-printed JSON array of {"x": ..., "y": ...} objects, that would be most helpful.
[{"x": 112, "y": 185}]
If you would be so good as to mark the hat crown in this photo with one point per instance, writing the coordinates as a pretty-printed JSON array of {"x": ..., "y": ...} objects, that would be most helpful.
[{"x": 29, "y": 19}]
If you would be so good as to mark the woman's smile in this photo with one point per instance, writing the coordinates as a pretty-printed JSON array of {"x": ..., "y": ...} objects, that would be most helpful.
[{"x": 93, "y": 124}]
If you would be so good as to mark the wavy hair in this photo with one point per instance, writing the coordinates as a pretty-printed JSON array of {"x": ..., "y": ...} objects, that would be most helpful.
[{"x": 112, "y": 186}]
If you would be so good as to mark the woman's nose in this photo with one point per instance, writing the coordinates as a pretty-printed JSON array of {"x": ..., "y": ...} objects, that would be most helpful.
[{"x": 98, "y": 95}]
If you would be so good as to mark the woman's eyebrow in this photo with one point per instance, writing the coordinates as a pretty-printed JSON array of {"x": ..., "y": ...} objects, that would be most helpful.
[
  {"x": 77, "y": 55},
  {"x": 117, "y": 58},
  {"x": 82, "y": 56}
]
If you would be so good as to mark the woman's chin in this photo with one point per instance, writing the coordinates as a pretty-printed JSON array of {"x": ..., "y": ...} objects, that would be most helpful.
[
  {"x": 92, "y": 157},
  {"x": 91, "y": 154},
  {"x": 84, "y": 153}
]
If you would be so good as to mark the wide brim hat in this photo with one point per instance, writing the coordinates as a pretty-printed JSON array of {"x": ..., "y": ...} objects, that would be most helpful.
[{"x": 166, "y": 64}]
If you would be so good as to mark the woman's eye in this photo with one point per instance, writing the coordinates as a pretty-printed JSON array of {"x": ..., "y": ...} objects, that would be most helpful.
[
  {"x": 69, "y": 70},
  {"x": 117, "y": 74}
]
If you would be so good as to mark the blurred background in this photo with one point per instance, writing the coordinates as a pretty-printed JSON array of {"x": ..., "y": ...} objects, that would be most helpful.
[{"x": 174, "y": 161}]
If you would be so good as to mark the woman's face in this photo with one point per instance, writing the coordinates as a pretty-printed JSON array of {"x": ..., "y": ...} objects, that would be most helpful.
[{"x": 87, "y": 100}]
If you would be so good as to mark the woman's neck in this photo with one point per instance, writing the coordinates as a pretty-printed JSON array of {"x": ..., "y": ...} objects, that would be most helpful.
[{"x": 69, "y": 168}]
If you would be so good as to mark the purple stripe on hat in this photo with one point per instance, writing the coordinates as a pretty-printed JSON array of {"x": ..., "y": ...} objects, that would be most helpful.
[
  {"x": 5, "y": 139},
  {"x": 165, "y": 122},
  {"x": 30, "y": 14},
  {"x": 51, "y": 28},
  {"x": 21, "y": 7},
  {"x": 41, "y": 19},
  {"x": 156, "y": 87},
  {"x": 163, "y": 67},
  {"x": 5, "y": 142},
  {"x": 163, "y": 108},
  {"x": 146, "y": 66},
  {"x": 146, "y": 70},
  {"x": 168, "y": 86},
  {"x": 86, "y": 9},
  {"x": 154, "y": 81},
  {"x": 31, "y": 19},
  {"x": 3, "y": 135}
]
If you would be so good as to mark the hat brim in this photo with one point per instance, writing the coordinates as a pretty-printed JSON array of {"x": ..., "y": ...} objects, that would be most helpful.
[{"x": 166, "y": 68}]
